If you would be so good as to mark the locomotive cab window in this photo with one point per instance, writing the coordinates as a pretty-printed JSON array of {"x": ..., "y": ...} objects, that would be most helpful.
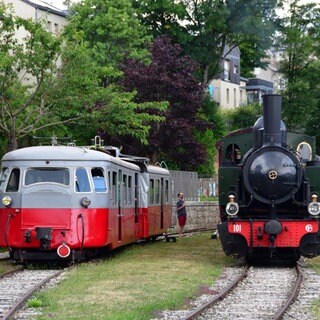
[
  {"x": 233, "y": 153},
  {"x": 99, "y": 181},
  {"x": 47, "y": 175}
]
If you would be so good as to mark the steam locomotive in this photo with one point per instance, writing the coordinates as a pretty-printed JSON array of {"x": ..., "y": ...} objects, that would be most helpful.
[
  {"x": 69, "y": 203},
  {"x": 269, "y": 188}
]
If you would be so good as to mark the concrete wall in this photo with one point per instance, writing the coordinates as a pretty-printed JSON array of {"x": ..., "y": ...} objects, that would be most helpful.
[{"x": 200, "y": 214}]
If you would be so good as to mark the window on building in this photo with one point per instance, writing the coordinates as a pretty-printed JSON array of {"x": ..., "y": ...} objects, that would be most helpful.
[
  {"x": 228, "y": 96},
  {"x": 226, "y": 70},
  {"x": 49, "y": 26},
  {"x": 56, "y": 29}
]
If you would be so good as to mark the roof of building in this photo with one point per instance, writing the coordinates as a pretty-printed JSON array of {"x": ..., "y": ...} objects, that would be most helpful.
[{"x": 46, "y": 6}]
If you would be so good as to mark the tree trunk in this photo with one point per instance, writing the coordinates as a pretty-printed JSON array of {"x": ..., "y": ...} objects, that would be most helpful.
[{"x": 12, "y": 142}]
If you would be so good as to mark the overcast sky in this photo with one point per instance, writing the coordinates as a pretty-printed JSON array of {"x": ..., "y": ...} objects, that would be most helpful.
[{"x": 59, "y": 3}]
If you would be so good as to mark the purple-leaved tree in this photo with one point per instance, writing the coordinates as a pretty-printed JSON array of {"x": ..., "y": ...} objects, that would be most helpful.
[{"x": 169, "y": 77}]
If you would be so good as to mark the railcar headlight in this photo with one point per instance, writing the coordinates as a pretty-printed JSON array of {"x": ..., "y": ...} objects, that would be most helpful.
[
  {"x": 314, "y": 206},
  {"x": 232, "y": 208},
  {"x": 6, "y": 201},
  {"x": 85, "y": 202}
]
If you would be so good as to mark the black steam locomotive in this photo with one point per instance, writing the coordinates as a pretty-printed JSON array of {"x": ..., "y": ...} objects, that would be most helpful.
[{"x": 269, "y": 187}]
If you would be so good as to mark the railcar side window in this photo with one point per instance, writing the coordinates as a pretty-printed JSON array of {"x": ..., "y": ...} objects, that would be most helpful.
[
  {"x": 53, "y": 175},
  {"x": 14, "y": 180},
  {"x": 157, "y": 191},
  {"x": 99, "y": 181},
  {"x": 151, "y": 192},
  {"x": 82, "y": 180},
  {"x": 114, "y": 187},
  {"x": 125, "y": 189},
  {"x": 166, "y": 191},
  {"x": 129, "y": 189}
]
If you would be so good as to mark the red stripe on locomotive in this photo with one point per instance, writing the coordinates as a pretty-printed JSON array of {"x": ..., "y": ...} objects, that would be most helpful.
[{"x": 292, "y": 232}]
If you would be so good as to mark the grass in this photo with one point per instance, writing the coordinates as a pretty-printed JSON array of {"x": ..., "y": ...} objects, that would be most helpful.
[
  {"x": 137, "y": 282},
  {"x": 6, "y": 266},
  {"x": 315, "y": 264}
]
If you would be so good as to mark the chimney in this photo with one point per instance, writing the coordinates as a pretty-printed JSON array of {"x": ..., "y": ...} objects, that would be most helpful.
[{"x": 272, "y": 119}]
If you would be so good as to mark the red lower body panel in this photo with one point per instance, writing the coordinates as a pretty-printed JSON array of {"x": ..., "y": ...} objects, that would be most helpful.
[{"x": 290, "y": 236}]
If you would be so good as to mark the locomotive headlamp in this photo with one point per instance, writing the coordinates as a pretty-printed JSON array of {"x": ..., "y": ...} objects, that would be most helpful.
[
  {"x": 85, "y": 202},
  {"x": 6, "y": 201},
  {"x": 314, "y": 206},
  {"x": 232, "y": 207}
]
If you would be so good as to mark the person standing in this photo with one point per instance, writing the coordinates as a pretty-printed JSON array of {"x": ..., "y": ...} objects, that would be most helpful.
[{"x": 182, "y": 213}]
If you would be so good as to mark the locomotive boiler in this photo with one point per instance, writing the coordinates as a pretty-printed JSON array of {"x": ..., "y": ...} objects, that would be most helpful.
[{"x": 269, "y": 188}]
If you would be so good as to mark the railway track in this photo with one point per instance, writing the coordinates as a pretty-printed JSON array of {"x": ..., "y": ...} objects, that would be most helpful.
[
  {"x": 248, "y": 293},
  {"x": 17, "y": 287}
]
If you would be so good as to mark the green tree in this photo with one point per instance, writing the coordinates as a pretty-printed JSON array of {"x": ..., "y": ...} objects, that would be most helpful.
[
  {"x": 242, "y": 117},
  {"x": 112, "y": 31},
  {"x": 208, "y": 29},
  {"x": 105, "y": 32},
  {"x": 170, "y": 76},
  {"x": 300, "y": 42},
  {"x": 26, "y": 71}
]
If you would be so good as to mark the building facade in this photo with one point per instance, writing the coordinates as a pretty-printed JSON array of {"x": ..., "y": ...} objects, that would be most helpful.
[
  {"x": 229, "y": 88},
  {"x": 40, "y": 11}
]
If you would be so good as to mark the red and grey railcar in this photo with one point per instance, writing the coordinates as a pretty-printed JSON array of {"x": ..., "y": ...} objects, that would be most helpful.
[
  {"x": 68, "y": 202},
  {"x": 269, "y": 190}
]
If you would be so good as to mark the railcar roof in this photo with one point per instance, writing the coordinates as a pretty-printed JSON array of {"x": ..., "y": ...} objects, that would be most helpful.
[
  {"x": 72, "y": 153},
  {"x": 158, "y": 170},
  {"x": 62, "y": 153}
]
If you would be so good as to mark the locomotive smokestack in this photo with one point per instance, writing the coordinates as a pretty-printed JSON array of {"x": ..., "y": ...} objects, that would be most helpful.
[{"x": 272, "y": 119}]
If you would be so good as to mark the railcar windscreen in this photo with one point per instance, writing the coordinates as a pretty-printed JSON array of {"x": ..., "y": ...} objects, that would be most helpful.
[
  {"x": 4, "y": 174},
  {"x": 53, "y": 175}
]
